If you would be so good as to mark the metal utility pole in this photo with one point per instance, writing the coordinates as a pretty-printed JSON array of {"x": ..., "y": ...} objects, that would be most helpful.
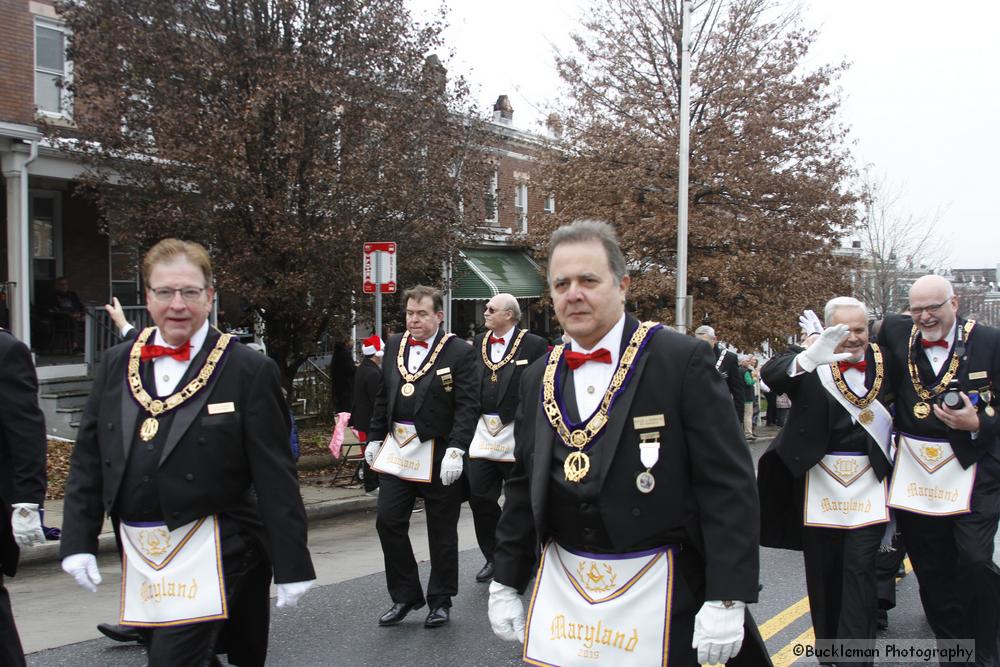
[
  {"x": 681, "y": 309},
  {"x": 378, "y": 294}
]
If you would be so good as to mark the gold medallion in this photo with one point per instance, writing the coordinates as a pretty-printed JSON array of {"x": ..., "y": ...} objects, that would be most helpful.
[
  {"x": 921, "y": 410},
  {"x": 578, "y": 438},
  {"x": 866, "y": 417},
  {"x": 990, "y": 412},
  {"x": 407, "y": 389},
  {"x": 493, "y": 376},
  {"x": 148, "y": 429},
  {"x": 576, "y": 467}
]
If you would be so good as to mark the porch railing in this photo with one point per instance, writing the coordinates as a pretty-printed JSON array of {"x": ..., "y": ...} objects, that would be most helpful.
[
  {"x": 101, "y": 333},
  {"x": 311, "y": 393}
]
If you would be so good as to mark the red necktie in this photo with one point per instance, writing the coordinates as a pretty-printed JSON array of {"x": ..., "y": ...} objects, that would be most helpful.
[
  {"x": 182, "y": 353},
  {"x": 494, "y": 340},
  {"x": 417, "y": 343},
  {"x": 858, "y": 365},
  {"x": 576, "y": 359},
  {"x": 934, "y": 343}
]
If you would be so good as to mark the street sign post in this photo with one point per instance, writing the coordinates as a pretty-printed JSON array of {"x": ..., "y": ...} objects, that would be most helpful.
[{"x": 379, "y": 274}]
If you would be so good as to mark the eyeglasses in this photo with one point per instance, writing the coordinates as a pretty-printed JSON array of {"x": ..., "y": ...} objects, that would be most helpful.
[
  {"x": 166, "y": 294},
  {"x": 490, "y": 309},
  {"x": 930, "y": 310}
]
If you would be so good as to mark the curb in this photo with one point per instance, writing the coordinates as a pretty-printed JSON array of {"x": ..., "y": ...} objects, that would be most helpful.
[{"x": 49, "y": 552}]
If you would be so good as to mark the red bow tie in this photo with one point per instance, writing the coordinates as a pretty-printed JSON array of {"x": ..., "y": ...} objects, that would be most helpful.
[
  {"x": 576, "y": 359},
  {"x": 417, "y": 343},
  {"x": 858, "y": 365},
  {"x": 494, "y": 340},
  {"x": 934, "y": 343},
  {"x": 182, "y": 353}
]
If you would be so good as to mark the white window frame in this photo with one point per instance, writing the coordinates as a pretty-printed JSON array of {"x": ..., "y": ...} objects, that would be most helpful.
[
  {"x": 65, "y": 99},
  {"x": 550, "y": 203},
  {"x": 521, "y": 206},
  {"x": 492, "y": 192}
]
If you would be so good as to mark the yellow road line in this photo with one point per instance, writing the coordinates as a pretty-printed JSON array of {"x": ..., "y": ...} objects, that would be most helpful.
[
  {"x": 786, "y": 655},
  {"x": 784, "y": 618}
]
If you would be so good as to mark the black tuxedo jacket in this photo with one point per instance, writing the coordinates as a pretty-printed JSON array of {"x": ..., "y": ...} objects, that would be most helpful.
[
  {"x": 802, "y": 443},
  {"x": 705, "y": 491},
  {"x": 209, "y": 461},
  {"x": 449, "y": 416},
  {"x": 509, "y": 376},
  {"x": 22, "y": 441},
  {"x": 367, "y": 382},
  {"x": 978, "y": 371},
  {"x": 730, "y": 369}
]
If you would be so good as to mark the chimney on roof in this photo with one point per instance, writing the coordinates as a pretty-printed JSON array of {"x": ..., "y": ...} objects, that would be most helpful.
[
  {"x": 503, "y": 112},
  {"x": 554, "y": 125}
]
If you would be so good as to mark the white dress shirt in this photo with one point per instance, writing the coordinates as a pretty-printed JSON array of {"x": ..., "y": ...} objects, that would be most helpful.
[
  {"x": 591, "y": 379},
  {"x": 497, "y": 350},
  {"x": 417, "y": 354},
  {"x": 855, "y": 379},
  {"x": 937, "y": 355},
  {"x": 168, "y": 370}
]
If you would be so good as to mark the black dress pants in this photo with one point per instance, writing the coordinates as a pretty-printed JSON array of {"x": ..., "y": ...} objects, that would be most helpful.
[
  {"x": 11, "y": 653},
  {"x": 486, "y": 480},
  {"x": 442, "y": 505}
]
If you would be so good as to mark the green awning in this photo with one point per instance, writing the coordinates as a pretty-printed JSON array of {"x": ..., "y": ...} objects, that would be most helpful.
[{"x": 482, "y": 273}]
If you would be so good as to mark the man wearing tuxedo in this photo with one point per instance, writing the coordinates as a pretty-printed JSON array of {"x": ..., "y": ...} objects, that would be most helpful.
[
  {"x": 184, "y": 442},
  {"x": 424, "y": 417},
  {"x": 631, "y": 474},
  {"x": 946, "y": 370},
  {"x": 835, "y": 448},
  {"x": 728, "y": 365},
  {"x": 503, "y": 352},
  {"x": 22, "y": 475}
]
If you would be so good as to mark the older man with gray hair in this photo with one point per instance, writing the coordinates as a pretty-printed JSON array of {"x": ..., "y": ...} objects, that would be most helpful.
[{"x": 727, "y": 364}]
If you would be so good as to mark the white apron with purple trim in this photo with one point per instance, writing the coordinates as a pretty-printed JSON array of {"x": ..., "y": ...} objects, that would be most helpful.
[
  {"x": 404, "y": 456},
  {"x": 842, "y": 491},
  {"x": 600, "y": 609},
  {"x": 172, "y": 577},
  {"x": 493, "y": 440},
  {"x": 928, "y": 479}
]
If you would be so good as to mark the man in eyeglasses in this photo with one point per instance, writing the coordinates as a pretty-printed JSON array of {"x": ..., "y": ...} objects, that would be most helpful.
[
  {"x": 184, "y": 442},
  {"x": 503, "y": 352},
  {"x": 946, "y": 479}
]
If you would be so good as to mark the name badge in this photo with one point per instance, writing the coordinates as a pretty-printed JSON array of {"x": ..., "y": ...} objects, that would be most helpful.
[
  {"x": 649, "y": 421},
  {"x": 978, "y": 375},
  {"x": 521, "y": 362},
  {"x": 444, "y": 371},
  {"x": 221, "y": 408}
]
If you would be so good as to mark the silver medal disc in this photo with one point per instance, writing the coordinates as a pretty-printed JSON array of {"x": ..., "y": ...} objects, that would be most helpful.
[{"x": 645, "y": 482}]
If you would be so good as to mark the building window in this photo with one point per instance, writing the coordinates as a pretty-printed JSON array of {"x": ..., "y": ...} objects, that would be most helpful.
[
  {"x": 550, "y": 203},
  {"x": 52, "y": 70},
  {"x": 521, "y": 206},
  {"x": 490, "y": 199}
]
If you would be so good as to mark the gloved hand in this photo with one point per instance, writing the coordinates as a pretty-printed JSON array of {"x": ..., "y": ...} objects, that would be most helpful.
[
  {"x": 822, "y": 350},
  {"x": 451, "y": 465},
  {"x": 810, "y": 323},
  {"x": 371, "y": 451},
  {"x": 718, "y": 632},
  {"x": 83, "y": 568},
  {"x": 289, "y": 594},
  {"x": 506, "y": 612},
  {"x": 26, "y": 524}
]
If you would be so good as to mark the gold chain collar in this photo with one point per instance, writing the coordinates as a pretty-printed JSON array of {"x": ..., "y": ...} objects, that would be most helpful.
[
  {"x": 924, "y": 393},
  {"x": 155, "y": 406},
  {"x": 511, "y": 353},
  {"x": 428, "y": 363},
  {"x": 582, "y": 437},
  {"x": 869, "y": 398}
]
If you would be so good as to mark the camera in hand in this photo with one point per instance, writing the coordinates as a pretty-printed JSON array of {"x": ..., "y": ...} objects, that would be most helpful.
[{"x": 951, "y": 397}]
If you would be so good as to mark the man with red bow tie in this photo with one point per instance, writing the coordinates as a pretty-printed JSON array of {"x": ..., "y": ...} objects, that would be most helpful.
[
  {"x": 503, "y": 352},
  {"x": 822, "y": 482},
  {"x": 184, "y": 442},
  {"x": 946, "y": 370},
  {"x": 631, "y": 473}
]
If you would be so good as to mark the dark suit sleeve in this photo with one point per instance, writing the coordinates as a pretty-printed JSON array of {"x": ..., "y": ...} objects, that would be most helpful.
[
  {"x": 467, "y": 381},
  {"x": 775, "y": 373},
  {"x": 723, "y": 482},
  {"x": 23, "y": 424},
  {"x": 379, "y": 425},
  {"x": 734, "y": 380},
  {"x": 538, "y": 347}
]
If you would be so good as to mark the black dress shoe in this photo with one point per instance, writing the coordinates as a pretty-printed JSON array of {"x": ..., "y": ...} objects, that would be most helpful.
[
  {"x": 437, "y": 617},
  {"x": 398, "y": 612},
  {"x": 486, "y": 573},
  {"x": 120, "y": 633}
]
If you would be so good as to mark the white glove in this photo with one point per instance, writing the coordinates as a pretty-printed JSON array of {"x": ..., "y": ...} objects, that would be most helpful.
[
  {"x": 718, "y": 632},
  {"x": 810, "y": 323},
  {"x": 83, "y": 568},
  {"x": 451, "y": 465},
  {"x": 27, "y": 524},
  {"x": 506, "y": 612},
  {"x": 289, "y": 594},
  {"x": 371, "y": 451},
  {"x": 822, "y": 350}
]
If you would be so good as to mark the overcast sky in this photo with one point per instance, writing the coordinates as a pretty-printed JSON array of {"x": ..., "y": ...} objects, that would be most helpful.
[{"x": 922, "y": 95}]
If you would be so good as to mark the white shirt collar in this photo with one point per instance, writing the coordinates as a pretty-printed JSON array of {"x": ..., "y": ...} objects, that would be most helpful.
[
  {"x": 429, "y": 341},
  {"x": 505, "y": 335},
  {"x": 612, "y": 341},
  {"x": 197, "y": 340}
]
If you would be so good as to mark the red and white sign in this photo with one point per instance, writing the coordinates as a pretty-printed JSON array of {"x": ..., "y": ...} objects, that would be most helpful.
[{"x": 386, "y": 252}]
